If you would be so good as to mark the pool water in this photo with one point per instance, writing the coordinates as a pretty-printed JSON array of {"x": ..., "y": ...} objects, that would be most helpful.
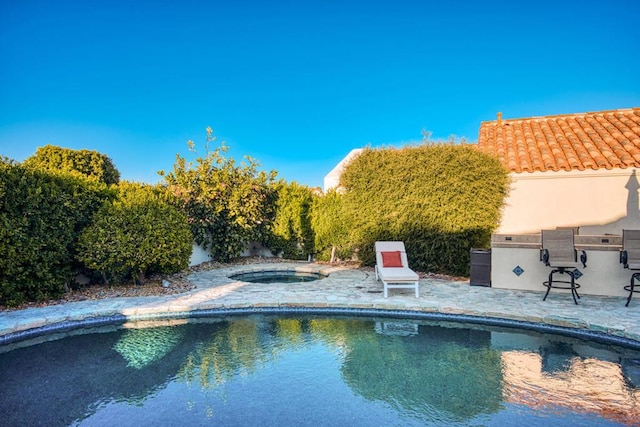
[{"x": 316, "y": 370}]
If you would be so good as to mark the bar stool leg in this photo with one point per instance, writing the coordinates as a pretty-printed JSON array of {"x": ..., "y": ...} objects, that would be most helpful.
[
  {"x": 548, "y": 285},
  {"x": 631, "y": 286},
  {"x": 574, "y": 292}
]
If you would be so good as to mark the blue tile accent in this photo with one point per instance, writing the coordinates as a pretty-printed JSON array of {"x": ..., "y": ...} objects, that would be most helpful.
[
  {"x": 518, "y": 270},
  {"x": 577, "y": 274}
]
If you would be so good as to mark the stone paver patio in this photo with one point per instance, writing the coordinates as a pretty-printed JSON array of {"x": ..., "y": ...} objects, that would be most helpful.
[{"x": 344, "y": 288}]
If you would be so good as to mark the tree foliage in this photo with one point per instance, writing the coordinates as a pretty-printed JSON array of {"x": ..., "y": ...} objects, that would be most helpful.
[
  {"x": 40, "y": 217},
  {"x": 137, "y": 234},
  {"x": 227, "y": 204},
  {"x": 86, "y": 163},
  {"x": 440, "y": 199},
  {"x": 330, "y": 226},
  {"x": 291, "y": 231}
]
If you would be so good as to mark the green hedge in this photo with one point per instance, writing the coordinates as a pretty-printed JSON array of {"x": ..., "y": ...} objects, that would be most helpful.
[
  {"x": 138, "y": 234},
  {"x": 84, "y": 163},
  {"x": 440, "y": 199},
  {"x": 40, "y": 217},
  {"x": 290, "y": 232},
  {"x": 330, "y": 226}
]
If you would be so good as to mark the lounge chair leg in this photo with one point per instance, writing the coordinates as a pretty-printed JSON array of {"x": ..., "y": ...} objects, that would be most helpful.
[
  {"x": 417, "y": 292},
  {"x": 385, "y": 291}
]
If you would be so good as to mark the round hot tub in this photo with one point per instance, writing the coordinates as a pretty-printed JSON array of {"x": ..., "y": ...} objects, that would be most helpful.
[{"x": 278, "y": 276}]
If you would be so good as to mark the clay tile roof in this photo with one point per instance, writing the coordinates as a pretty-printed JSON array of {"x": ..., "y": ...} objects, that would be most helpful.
[{"x": 598, "y": 140}]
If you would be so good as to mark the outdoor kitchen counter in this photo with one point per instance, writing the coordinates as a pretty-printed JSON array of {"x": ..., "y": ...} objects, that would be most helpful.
[{"x": 515, "y": 264}]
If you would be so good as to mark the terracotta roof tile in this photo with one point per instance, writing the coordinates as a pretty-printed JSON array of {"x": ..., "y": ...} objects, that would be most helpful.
[{"x": 597, "y": 140}]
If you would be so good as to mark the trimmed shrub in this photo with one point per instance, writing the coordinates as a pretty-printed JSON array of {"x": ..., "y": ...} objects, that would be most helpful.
[
  {"x": 85, "y": 163},
  {"x": 138, "y": 234},
  {"x": 440, "y": 199},
  {"x": 40, "y": 218},
  {"x": 291, "y": 231}
]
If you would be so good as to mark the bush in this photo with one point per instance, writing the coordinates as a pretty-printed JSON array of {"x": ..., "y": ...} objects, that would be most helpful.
[
  {"x": 40, "y": 218},
  {"x": 138, "y": 234},
  {"x": 227, "y": 205},
  {"x": 440, "y": 199},
  {"x": 330, "y": 226},
  {"x": 291, "y": 231},
  {"x": 85, "y": 163}
]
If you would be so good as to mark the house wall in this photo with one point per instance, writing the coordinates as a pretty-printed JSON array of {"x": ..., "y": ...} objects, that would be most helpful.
[
  {"x": 332, "y": 179},
  {"x": 596, "y": 201}
]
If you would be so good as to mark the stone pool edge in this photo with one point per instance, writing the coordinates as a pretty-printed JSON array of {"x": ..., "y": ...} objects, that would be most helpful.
[
  {"x": 344, "y": 292},
  {"x": 71, "y": 324}
]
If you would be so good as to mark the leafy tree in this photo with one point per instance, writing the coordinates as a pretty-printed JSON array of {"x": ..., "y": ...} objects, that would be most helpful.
[
  {"x": 227, "y": 204},
  {"x": 291, "y": 229},
  {"x": 137, "y": 234},
  {"x": 87, "y": 163}
]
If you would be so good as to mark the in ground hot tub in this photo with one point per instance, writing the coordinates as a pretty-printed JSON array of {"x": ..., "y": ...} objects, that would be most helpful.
[{"x": 278, "y": 276}]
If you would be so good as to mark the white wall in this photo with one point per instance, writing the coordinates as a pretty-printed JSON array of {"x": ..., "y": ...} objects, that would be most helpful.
[
  {"x": 198, "y": 255},
  {"x": 332, "y": 179},
  {"x": 604, "y": 275},
  {"x": 599, "y": 202}
]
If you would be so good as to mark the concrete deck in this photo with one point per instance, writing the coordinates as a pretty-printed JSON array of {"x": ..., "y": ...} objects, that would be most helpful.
[{"x": 343, "y": 289}]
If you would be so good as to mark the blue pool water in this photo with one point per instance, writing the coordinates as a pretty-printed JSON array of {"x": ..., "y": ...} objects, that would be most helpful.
[{"x": 316, "y": 370}]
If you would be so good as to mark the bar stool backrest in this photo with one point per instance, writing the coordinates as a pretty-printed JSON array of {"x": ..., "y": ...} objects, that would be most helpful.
[
  {"x": 561, "y": 247},
  {"x": 631, "y": 244}
]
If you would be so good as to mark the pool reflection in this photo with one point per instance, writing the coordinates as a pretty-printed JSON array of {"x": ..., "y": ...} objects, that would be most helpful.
[{"x": 389, "y": 371}]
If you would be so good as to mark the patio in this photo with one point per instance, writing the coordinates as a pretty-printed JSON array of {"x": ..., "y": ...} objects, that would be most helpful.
[{"x": 344, "y": 289}]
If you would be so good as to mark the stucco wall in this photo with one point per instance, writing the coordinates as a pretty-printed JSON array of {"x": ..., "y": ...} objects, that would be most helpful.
[
  {"x": 604, "y": 275},
  {"x": 332, "y": 179},
  {"x": 200, "y": 255},
  {"x": 599, "y": 202}
]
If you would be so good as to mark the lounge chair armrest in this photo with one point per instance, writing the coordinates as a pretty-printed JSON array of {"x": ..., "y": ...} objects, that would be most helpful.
[
  {"x": 544, "y": 256},
  {"x": 583, "y": 258},
  {"x": 624, "y": 257}
]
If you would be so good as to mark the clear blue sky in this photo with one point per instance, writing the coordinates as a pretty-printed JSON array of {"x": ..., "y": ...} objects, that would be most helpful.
[{"x": 298, "y": 84}]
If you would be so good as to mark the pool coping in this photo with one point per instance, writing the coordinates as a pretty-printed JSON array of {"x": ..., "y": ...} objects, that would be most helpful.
[{"x": 344, "y": 292}]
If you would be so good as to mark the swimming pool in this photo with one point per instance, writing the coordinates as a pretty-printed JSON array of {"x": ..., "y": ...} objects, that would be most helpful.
[{"x": 304, "y": 369}]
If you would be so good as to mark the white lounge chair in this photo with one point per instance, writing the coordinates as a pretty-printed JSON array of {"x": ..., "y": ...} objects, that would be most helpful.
[{"x": 392, "y": 267}]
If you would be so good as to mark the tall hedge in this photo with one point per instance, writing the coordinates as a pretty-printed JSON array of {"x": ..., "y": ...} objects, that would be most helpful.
[
  {"x": 330, "y": 226},
  {"x": 137, "y": 234},
  {"x": 291, "y": 231},
  {"x": 440, "y": 199},
  {"x": 85, "y": 163},
  {"x": 40, "y": 218}
]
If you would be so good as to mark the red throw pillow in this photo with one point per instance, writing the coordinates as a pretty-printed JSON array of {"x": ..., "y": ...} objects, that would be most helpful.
[{"x": 391, "y": 259}]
